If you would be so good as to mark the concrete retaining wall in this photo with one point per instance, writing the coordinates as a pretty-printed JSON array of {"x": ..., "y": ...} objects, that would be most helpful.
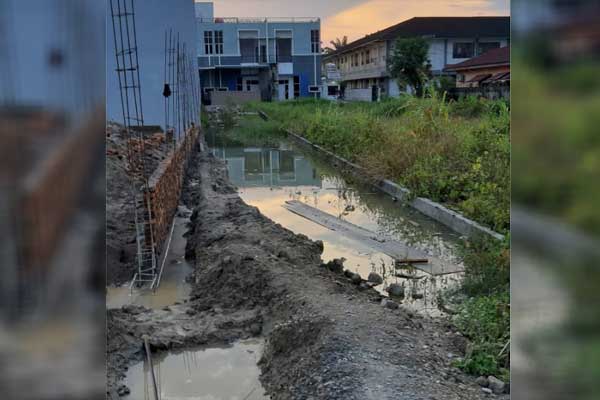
[
  {"x": 436, "y": 211},
  {"x": 165, "y": 186},
  {"x": 233, "y": 97}
]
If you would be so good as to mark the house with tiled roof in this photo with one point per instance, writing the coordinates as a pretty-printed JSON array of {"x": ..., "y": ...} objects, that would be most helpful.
[
  {"x": 492, "y": 67},
  {"x": 363, "y": 64}
]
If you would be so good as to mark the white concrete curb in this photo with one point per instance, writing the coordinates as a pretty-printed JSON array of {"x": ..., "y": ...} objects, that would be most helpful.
[{"x": 436, "y": 211}]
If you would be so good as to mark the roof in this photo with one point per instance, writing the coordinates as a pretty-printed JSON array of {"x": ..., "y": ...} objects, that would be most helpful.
[
  {"x": 494, "y": 57},
  {"x": 439, "y": 27},
  {"x": 502, "y": 76},
  {"x": 479, "y": 78}
]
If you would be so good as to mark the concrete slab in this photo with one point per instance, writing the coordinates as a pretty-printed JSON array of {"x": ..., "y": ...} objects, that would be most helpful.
[{"x": 393, "y": 248}]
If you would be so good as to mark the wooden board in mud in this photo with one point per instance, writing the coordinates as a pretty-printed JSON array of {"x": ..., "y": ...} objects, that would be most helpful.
[{"x": 393, "y": 248}]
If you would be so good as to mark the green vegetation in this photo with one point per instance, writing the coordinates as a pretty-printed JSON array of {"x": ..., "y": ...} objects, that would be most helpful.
[
  {"x": 484, "y": 318},
  {"x": 556, "y": 159},
  {"x": 558, "y": 146},
  {"x": 456, "y": 153},
  {"x": 410, "y": 63}
]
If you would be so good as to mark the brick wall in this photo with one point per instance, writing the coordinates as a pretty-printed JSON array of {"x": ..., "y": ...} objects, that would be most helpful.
[
  {"x": 50, "y": 192},
  {"x": 165, "y": 186}
]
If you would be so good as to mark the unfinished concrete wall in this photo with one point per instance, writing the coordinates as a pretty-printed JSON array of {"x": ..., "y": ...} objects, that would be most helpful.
[
  {"x": 165, "y": 186},
  {"x": 233, "y": 97},
  {"x": 358, "y": 94}
]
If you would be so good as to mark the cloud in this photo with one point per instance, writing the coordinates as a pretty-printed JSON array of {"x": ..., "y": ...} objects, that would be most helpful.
[{"x": 374, "y": 15}]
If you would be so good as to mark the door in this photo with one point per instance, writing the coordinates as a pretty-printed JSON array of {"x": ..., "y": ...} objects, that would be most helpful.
[
  {"x": 284, "y": 90},
  {"x": 374, "y": 93}
]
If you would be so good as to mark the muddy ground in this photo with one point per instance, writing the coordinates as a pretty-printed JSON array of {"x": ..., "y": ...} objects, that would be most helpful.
[
  {"x": 120, "y": 227},
  {"x": 326, "y": 337}
]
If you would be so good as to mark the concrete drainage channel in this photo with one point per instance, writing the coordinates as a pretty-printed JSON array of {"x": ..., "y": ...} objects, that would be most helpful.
[
  {"x": 275, "y": 178},
  {"x": 436, "y": 211}
]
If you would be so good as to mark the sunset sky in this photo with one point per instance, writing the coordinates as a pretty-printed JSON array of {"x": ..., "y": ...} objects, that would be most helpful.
[{"x": 356, "y": 18}]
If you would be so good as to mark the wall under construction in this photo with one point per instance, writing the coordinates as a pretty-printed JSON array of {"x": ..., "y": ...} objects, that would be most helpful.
[
  {"x": 165, "y": 184},
  {"x": 47, "y": 186}
]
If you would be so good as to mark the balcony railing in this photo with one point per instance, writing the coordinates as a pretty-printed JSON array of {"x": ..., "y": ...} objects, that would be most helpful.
[
  {"x": 216, "y": 60},
  {"x": 257, "y": 20}
]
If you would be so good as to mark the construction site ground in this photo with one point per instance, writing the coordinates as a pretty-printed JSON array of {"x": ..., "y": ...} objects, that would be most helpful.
[{"x": 325, "y": 336}]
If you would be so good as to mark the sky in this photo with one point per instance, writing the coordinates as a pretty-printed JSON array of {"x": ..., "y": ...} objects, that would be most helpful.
[{"x": 356, "y": 18}]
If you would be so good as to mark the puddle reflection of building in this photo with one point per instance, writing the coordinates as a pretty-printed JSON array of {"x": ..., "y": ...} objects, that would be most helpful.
[{"x": 268, "y": 167}]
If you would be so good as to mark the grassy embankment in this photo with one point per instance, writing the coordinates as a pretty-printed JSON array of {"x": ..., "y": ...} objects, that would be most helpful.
[
  {"x": 456, "y": 153},
  {"x": 557, "y": 156}
]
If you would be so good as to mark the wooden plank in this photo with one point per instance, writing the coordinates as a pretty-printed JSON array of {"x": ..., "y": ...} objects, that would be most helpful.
[{"x": 393, "y": 248}]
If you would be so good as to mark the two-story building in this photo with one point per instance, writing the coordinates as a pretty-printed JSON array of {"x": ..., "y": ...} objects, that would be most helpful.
[
  {"x": 363, "y": 64},
  {"x": 273, "y": 58}
]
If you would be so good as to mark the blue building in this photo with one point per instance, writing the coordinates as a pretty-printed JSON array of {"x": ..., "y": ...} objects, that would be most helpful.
[
  {"x": 153, "y": 20},
  {"x": 275, "y": 58}
]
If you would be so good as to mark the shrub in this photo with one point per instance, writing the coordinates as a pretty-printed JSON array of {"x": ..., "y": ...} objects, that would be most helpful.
[
  {"x": 487, "y": 266},
  {"x": 485, "y": 320}
]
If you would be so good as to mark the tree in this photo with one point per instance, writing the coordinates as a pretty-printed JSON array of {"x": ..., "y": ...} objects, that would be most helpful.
[
  {"x": 336, "y": 44},
  {"x": 410, "y": 63}
]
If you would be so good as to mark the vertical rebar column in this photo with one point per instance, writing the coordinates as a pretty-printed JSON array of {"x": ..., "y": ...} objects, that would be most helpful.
[{"x": 128, "y": 71}]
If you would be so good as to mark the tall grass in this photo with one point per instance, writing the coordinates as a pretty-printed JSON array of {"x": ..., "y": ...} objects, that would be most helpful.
[{"x": 456, "y": 153}]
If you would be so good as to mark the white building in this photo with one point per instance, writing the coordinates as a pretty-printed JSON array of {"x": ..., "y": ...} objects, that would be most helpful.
[{"x": 363, "y": 64}]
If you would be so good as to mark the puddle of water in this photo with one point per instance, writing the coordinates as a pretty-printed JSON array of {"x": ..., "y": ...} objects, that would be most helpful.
[
  {"x": 266, "y": 177},
  {"x": 173, "y": 287},
  {"x": 214, "y": 373}
]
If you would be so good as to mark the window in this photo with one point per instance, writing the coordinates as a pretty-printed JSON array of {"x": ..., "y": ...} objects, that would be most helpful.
[
  {"x": 487, "y": 46},
  {"x": 208, "y": 42},
  {"x": 239, "y": 86},
  {"x": 218, "y": 42},
  {"x": 296, "y": 86},
  {"x": 283, "y": 46},
  {"x": 248, "y": 45},
  {"x": 368, "y": 57},
  {"x": 315, "y": 40},
  {"x": 263, "y": 53},
  {"x": 314, "y": 89},
  {"x": 463, "y": 50}
]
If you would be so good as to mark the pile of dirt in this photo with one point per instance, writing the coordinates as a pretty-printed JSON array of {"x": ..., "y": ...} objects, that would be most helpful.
[
  {"x": 327, "y": 336},
  {"x": 120, "y": 227}
]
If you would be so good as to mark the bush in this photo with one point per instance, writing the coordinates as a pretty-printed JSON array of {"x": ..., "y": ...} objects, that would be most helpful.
[
  {"x": 485, "y": 317},
  {"x": 487, "y": 266},
  {"x": 485, "y": 321}
]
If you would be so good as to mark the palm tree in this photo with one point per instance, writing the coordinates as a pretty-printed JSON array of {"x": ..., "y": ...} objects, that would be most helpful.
[{"x": 336, "y": 44}]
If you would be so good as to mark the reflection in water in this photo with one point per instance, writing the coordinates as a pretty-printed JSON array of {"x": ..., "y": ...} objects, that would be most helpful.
[
  {"x": 251, "y": 166},
  {"x": 269, "y": 176},
  {"x": 221, "y": 373}
]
